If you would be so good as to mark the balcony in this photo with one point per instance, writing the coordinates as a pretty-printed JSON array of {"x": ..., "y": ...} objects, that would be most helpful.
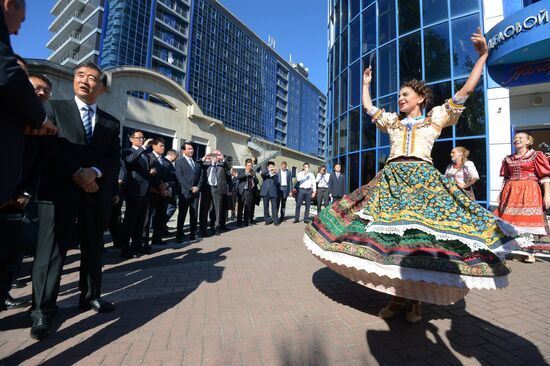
[
  {"x": 74, "y": 6},
  {"x": 170, "y": 61},
  {"x": 173, "y": 7},
  {"x": 71, "y": 60},
  {"x": 171, "y": 42},
  {"x": 171, "y": 24},
  {"x": 59, "y": 6},
  {"x": 73, "y": 40}
]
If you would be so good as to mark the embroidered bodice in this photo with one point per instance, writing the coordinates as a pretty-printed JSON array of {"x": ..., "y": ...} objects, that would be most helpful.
[
  {"x": 415, "y": 137},
  {"x": 533, "y": 165}
]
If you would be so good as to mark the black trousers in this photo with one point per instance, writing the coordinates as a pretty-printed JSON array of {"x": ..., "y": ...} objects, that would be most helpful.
[
  {"x": 282, "y": 201},
  {"x": 273, "y": 201},
  {"x": 115, "y": 223},
  {"x": 156, "y": 217},
  {"x": 132, "y": 225},
  {"x": 190, "y": 204},
  {"x": 213, "y": 204},
  {"x": 56, "y": 219},
  {"x": 245, "y": 204},
  {"x": 322, "y": 198},
  {"x": 303, "y": 195},
  {"x": 11, "y": 228}
]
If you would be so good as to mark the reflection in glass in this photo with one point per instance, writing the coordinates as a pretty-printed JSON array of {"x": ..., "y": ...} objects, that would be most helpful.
[
  {"x": 336, "y": 98},
  {"x": 387, "y": 69},
  {"x": 355, "y": 84},
  {"x": 436, "y": 52},
  {"x": 389, "y": 104},
  {"x": 370, "y": 59},
  {"x": 367, "y": 3},
  {"x": 478, "y": 157},
  {"x": 369, "y": 29},
  {"x": 337, "y": 57},
  {"x": 354, "y": 8},
  {"x": 344, "y": 12},
  {"x": 353, "y": 172},
  {"x": 441, "y": 92},
  {"x": 335, "y": 128},
  {"x": 337, "y": 18},
  {"x": 383, "y": 155},
  {"x": 459, "y": 7},
  {"x": 472, "y": 121},
  {"x": 386, "y": 23},
  {"x": 410, "y": 64},
  {"x": 434, "y": 10},
  {"x": 344, "y": 47},
  {"x": 355, "y": 39},
  {"x": 409, "y": 15},
  {"x": 343, "y": 162},
  {"x": 354, "y": 129},
  {"x": 343, "y": 134},
  {"x": 464, "y": 54},
  {"x": 344, "y": 91},
  {"x": 368, "y": 131},
  {"x": 368, "y": 166},
  {"x": 441, "y": 154}
]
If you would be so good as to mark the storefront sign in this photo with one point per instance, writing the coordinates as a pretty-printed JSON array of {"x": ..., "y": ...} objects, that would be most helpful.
[
  {"x": 514, "y": 29},
  {"x": 521, "y": 74}
]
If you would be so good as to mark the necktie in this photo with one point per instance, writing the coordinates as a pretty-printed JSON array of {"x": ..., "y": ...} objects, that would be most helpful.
[
  {"x": 192, "y": 163},
  {"x": 87, "y": 122},
  {"x": 212, "y": 177},
  {"x": 250, "y": 184}
]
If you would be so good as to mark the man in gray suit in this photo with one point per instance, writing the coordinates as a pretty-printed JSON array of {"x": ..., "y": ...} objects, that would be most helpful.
[
  {"x": 215, "y": 172},
  {"x": 337, "y": 183}
]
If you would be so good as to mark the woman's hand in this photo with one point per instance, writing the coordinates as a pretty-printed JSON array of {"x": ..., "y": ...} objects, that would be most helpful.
[
  {"x": 480, "y": 43},
  {"x": 546, "y": 201},
  {"x": 367, "y": 76}
]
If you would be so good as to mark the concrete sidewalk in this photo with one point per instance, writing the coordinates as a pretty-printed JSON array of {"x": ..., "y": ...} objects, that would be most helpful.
[{"x": 255, "y": 296}]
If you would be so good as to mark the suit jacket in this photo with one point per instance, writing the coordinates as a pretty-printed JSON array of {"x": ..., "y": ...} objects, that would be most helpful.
[
  {"x": 223, "y": 177},
  {"x": 163, "y": 170},
  {"x": 188, "y": 177},
  {"x": 337, "y": 186},
  {"x": 284, "y": 193},
  {"x": 270, "y": 185},
  {"x": 243, "y": 179},
  {"x": 19, "y": 106},
  {"x": 65, "y": 153},
  {"x": 138, "y": 179}
]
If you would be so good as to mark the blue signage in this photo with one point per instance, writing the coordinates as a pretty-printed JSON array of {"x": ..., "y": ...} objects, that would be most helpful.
[{"x": 519, "y": 47}]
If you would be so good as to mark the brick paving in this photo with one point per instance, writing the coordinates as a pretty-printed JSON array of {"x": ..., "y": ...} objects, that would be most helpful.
[{"x": 255, "y": 296}]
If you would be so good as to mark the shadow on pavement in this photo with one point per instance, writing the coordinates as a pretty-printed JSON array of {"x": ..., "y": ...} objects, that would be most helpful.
[
  {"x": 469, "y": 336},
  {"x": 133, "y": 310}
]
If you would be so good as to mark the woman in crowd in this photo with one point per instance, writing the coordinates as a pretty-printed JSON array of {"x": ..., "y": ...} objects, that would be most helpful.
[
  {"x": 411, "y": 232},
  {"x": 521, "y": 201},
  {"x": 462, "y": 171}
]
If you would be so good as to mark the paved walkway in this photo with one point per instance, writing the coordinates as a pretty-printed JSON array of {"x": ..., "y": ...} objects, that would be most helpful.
[{"x": 255, "y": 296}]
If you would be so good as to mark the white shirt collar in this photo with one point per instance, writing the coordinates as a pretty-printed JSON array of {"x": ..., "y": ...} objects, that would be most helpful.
[{"x": 80, "y": 104}]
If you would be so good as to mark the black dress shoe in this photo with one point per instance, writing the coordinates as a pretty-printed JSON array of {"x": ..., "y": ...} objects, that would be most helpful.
[
  {"x": 307, "y": 221},
  {"x": 126, "y": 254},
  {"x": 12, "y": 303},
  {"x": 295, "y": 221},
  {"x": 97, "y": 305},
  {"x": 180, "y": 238},
  {"x": 192, "y": 237},
  {"x": 146, "y": 249},
  {"x": 277, "y": 223},
  {"x": 269, "y": 222},
  {"x": 218, "y": 232},
  {"x": 18, "y": 284},
  {"x": 157, "y": 241},
  {"x": 41, "y": 328}
]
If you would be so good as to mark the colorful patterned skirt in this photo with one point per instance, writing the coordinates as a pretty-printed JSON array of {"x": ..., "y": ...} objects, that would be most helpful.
[
  {"x": 413, "y": 233},
  {"x": 521, "y": 205}
]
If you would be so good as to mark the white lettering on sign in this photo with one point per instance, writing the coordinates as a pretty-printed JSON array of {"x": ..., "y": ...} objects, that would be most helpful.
[{"x": 515, "y": 29}]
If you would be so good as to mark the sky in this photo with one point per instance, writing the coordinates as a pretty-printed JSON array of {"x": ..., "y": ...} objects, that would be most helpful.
[{"x": 298, "y": 27}]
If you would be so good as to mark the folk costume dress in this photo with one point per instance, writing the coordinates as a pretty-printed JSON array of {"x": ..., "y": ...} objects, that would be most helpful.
[
  {"x": 411, "y": 232},
  {"x": 521, "y": 198}
]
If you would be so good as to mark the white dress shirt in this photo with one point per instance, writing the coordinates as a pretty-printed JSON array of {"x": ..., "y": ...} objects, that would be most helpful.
[
  {"x": 282, "y": 177},
  {"x": 322, "y": 180},
  {"x": 307, "y": 180},
  {"x": 80, "y": 105}
]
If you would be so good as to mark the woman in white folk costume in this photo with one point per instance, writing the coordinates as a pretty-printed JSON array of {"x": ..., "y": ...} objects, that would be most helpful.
[
  {"x": 411, "y": 232},
  {"x": 462, "y": 170}
]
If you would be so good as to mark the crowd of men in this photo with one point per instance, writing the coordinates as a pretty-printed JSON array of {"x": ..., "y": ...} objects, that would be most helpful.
[{"x": 66, "y": 180}]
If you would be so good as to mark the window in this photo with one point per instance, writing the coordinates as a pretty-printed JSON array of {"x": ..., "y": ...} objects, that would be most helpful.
[
  {"x": 478, "y": 155},
  {"x": 343, "y": 134},
  {"x": 354, "y": 129},
  {"x": 355, "y": 39},
  {"x": 441, "y": 92},
  {"x": 344, "y": 47},
  {"x": 370, "y": 59},
  {"x": 434, "y": 10},
  {"x": 472, "y": 121},
  {"x": 387, "y": 69},
  {"x": 409, "y": 16},
  {"x": 460, "y": 7},
  {"x": 353, "y": 174},
  {"x": 436, "y": 52},
  {"x": 355, "y": 81},
  {"x": 368, "y": 132},
  {"x": 386, "y": 23},
  {"x": 344, "y": 92},
  {"x": 368, "y": 166},
  {"x": 369, "y": 29},
  {"x": 464, "y": 55},
  {"x": 409, "y": 57}
]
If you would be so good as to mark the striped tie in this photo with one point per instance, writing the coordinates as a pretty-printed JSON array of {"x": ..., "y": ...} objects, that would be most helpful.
[{"x": 87, "y": 121}]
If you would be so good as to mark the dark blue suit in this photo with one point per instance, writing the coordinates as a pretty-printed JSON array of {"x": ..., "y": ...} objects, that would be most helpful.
[
  {"x": 337, "y": 186},
  {"x": 188, "y": 177},
  {"x": 270, "y": 195},
  {"x": 158, "y": 203},
  {"x": 138, "y": 182}
]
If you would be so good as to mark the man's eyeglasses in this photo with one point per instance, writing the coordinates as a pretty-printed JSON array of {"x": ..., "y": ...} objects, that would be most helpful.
[
  {"x": 138, "y": 137},
  {"x": 40, "y": 89}
]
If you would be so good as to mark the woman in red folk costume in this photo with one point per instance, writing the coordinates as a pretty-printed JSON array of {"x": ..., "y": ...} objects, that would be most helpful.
[
  {"x": 521, "y": 201},
  {"x": 411, "y": 232}
]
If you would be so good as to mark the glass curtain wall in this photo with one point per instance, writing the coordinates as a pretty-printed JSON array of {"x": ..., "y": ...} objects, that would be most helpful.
[{"x": 401, "y": 40}]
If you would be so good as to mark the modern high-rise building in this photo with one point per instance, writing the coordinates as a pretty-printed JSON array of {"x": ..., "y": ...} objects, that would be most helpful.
[
  {"x": 232, "y": 73},
  {"x": 430, "y": 40}
]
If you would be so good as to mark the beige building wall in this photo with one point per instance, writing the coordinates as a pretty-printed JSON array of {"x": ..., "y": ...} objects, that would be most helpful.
[{"x": 183, "y": 121}]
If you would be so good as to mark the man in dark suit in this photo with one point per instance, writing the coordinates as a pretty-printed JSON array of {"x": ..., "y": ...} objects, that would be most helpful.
[
  {"x": 159, "y": 193},
  {"x": 171, "y": 156},
  {"x": 190, "y": 179},
  {"x": 285, "y": 188},
  {"x": 76, "y": 185},
  {"x": 337, "y": 183},
  {"x": 20, "y": 107},
  {"x": 247, "y": 189},
  {"x": 138, "y": 181},
  {"x": 215, "y": 175},
  {"x": 270, "y": 194}
]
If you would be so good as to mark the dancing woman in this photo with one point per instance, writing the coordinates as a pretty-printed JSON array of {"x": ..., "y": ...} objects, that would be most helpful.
[
  {"x": 521, "y": 201},
  {"x": 463, "y": 171},
  {"x": 411, "y": 232}
]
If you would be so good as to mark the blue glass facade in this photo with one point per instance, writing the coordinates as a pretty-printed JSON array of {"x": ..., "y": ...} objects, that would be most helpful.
[
  {"x": 237, "y": 78},
  {"x": 402, "y": 40}
]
